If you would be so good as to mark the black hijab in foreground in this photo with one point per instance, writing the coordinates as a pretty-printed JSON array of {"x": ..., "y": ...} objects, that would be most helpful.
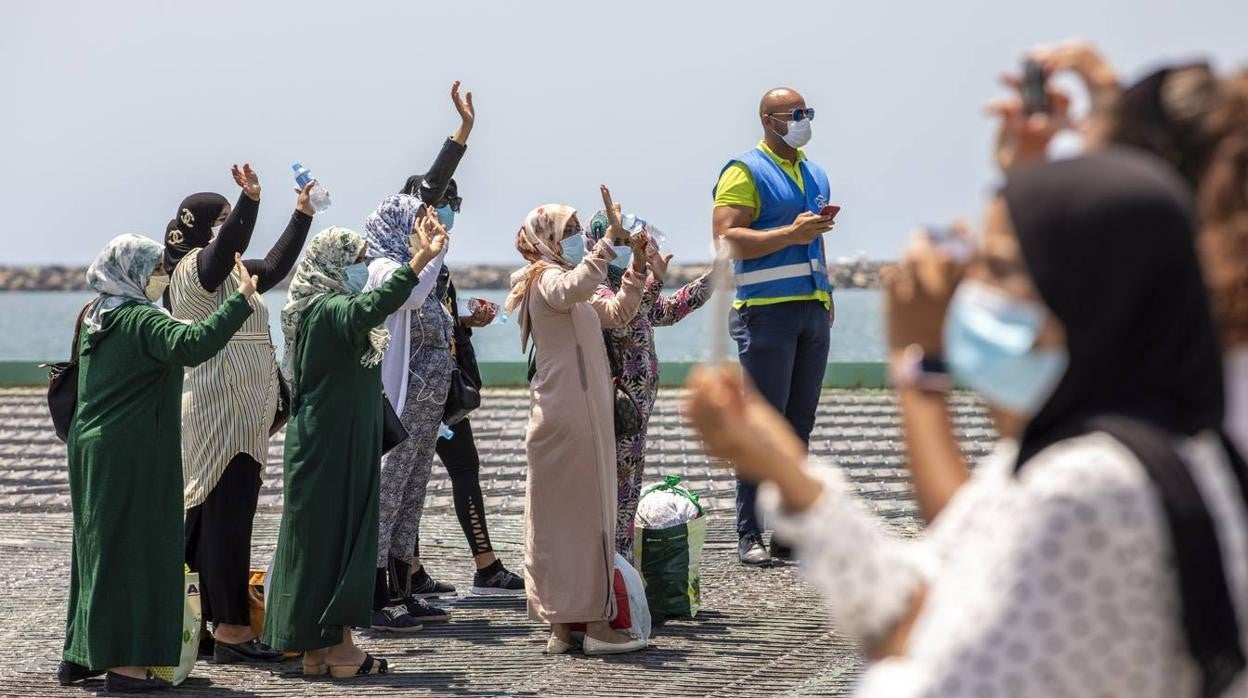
[
  {"x": 192, "y": 226},
  {"x": 1109, "y": 240}
]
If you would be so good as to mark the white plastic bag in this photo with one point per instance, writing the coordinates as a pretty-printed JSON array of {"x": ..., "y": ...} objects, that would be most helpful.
[
  {"x": 664, "y": 509},
  {"x": 632, "y": 613},
  {"x": 192, "y": 617}
]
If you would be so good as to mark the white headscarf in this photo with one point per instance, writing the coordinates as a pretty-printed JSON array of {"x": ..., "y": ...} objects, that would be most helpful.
[{"x": 120, "y": 274}]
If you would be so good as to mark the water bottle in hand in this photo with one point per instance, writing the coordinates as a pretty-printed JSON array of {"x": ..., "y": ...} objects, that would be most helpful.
[
  {"x": 635, "y": 225},
  {"x": 319, "y": 195},
  {"x": 445, "y": 432}
]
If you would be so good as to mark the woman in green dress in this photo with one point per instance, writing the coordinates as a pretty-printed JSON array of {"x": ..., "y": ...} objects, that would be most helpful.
[
  {"x": 325, "y": 565},
  {"x": 125, "y": 467}
]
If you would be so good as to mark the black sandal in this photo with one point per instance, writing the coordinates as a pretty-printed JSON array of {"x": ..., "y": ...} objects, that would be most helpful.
[{"x": 370, "y": 666}]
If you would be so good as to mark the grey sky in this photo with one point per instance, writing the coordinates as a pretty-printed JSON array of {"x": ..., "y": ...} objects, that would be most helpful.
[{"x": 116, "y": 110}]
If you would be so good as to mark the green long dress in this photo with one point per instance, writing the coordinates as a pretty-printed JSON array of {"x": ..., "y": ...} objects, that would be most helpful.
[
  {"x": 326, "y": 560},
  {"x": 125, "y": 483}
]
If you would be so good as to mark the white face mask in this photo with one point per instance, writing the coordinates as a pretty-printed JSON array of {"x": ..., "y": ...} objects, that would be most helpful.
[
  {"x": 798, "y": 134},
  {"x": 216, "y": 229},
  {"x": 156, "y": 286}
]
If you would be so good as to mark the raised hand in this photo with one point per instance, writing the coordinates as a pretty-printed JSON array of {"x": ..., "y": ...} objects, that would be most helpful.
[
  {"x": 427, "y": 240},
  {"x": 1023, "y": 139},
  {"x": 467, "y": 113},
  {"x": 247, "y": 179},
  {"x": 657, "y": 262},
  {"x": 615, "y": 228},
  {"x": 304, "y": 203},
  {"x": 246, "y": 282}
]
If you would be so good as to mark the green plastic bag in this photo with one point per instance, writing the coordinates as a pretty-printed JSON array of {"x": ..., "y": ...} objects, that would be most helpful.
[
  {"x": 192, "y": 617},
  {"x": 669, "y": 559}
]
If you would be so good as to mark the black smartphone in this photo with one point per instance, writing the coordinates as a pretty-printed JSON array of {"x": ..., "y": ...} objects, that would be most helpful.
[{"x": 1035, "y": 96}]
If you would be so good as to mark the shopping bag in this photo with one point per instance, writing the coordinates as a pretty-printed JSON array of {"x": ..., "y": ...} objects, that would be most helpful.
[
  {"x": 632, "y": 612},
  {"x": 669, "y": 558},
  {"x": 192, "y": 617},
  {"x": 255, "y": 601}
]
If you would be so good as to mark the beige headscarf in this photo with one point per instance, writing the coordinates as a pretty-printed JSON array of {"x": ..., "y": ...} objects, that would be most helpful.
[{"x": 538, "y": 241}]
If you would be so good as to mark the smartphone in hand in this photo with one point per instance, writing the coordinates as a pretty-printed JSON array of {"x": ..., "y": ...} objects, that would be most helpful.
[
  {"x": 830, "y": 211},
  {"x": 1033, "y": 89}
]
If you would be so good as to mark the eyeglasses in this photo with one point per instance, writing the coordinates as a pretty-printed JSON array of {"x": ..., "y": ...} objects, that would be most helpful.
[
  {"x": 452, "y": 201},
  {"x": 796, "y": 114}
]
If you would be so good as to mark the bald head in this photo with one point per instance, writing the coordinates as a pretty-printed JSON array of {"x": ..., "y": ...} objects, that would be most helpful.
[{"x": 780, "y": 99}]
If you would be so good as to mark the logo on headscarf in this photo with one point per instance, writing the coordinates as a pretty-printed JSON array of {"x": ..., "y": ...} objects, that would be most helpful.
[
  {"x": 187, "y": 218},
  {"x": 176, "y": 237}
]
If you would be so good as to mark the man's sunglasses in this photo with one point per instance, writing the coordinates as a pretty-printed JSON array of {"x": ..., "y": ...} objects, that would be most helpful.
[
  {"x": 452, "y": 201},
  {"x": 796, "y": 114}
]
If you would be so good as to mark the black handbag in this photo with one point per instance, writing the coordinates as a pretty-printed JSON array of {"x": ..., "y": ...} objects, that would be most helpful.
[
  {"x": 63, "y": 384},
  {"x": 627, "y": 416},
  {"x": 393, "y": 432},
  {"x": 464, "y": 394}
]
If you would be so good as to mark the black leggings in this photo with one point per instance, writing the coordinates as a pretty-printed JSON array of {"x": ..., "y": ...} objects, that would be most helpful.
[
  {"x": 218, "y": 542},
  {"x": 459, "y": 456}
]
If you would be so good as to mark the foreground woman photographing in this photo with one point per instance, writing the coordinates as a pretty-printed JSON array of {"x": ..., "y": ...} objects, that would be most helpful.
[
  {"x": 324, "y": 567},
  {"x": 125, "y": 473},
  {"x": 1102, "y": 549}
]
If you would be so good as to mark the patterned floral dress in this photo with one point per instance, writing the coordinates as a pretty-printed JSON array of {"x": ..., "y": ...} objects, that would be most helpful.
[{"x": 636, "y": 366}]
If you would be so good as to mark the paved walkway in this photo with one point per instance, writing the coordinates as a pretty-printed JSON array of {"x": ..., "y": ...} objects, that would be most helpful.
[{"x": 761, "y": 632}]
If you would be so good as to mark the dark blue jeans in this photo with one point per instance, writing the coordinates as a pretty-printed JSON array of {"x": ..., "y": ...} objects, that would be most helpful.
[{"x": 784, "y": 350}]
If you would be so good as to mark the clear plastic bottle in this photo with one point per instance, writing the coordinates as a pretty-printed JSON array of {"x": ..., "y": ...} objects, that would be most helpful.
[
  {"x": 319, "y": 194},
  {"x": 470, "y": 306},
  {"x": 634, "y": 224},
  {"x": 445, "y": 432}
]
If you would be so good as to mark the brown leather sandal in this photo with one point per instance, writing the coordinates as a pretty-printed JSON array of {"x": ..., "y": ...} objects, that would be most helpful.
[{"x": 370, "y": 665}]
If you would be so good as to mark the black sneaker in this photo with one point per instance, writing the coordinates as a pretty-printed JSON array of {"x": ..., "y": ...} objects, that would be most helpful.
[
  {"x": 395, "y": 619},
  {"x": 423, "y": 612},
  {"x": 70, "y": 673},
  {"x": 251, "y": 652},
  {"x": 500, "y": 582},
  {"x": 422, "y": 586},
  {"x": 750, "y": 551},
  {"x": 116, "y": 683}
]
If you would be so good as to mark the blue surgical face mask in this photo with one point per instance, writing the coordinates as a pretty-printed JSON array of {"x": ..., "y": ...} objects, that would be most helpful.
[
  {"x": 623, "y": 255},
  {"x": 446, "y": 216},
  {"x": 990, "y": 346},
  {"x": 357, "y": 276},
  {"x": 573, "y": 248}
]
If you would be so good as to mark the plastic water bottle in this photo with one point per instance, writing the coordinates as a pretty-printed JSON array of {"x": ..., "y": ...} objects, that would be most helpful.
[
  {"x": 319, "y": 195},
  {"x": 445, "y": 432},
  {"x": 469, "y": 306},
  {"x": 634, "y": 225}
]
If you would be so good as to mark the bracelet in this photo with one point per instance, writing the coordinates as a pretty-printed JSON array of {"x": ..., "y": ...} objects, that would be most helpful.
[{"x": 915, "y": 369}]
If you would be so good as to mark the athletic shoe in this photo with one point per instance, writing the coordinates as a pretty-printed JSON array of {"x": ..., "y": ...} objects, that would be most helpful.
[
  {"x": 395, "y": 619},
  {"x": 502, "y": 582},
  {"x": 422, "y": 586},
  {"x": 423, "y": 612}
]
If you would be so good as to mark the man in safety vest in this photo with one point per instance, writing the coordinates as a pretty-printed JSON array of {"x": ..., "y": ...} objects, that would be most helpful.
[{"x": 767, "y": 204}]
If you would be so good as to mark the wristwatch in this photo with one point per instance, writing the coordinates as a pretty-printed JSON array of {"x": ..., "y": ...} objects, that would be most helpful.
[{"x": 919, "y": 370}]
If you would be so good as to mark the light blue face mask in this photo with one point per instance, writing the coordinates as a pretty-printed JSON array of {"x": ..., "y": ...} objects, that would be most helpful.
[
  {"x": 573, "y": 248},
  {"x": 623, "y": 255},
  {"x": 446, "y": 216},
  {"x": 357, "y": 276},
  {"x": 990, "y": 346}
]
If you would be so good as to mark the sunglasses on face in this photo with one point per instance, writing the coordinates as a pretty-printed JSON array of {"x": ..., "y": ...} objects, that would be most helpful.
[
  {"x": 452, "y": 201},
  {"x": 796, "y": 114}
]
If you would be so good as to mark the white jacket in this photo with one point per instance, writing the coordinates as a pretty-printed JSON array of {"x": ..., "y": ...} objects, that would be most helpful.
[{"x": 394, "y": 363}]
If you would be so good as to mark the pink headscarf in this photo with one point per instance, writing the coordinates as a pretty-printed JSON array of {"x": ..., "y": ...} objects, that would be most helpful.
[{"x": 538, "y": 241}]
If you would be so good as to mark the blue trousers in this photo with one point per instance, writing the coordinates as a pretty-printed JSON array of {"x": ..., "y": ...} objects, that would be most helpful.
[{"x": 784, "y": 350}]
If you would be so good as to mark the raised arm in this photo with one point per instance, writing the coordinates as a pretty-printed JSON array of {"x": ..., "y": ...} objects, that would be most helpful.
[
  {"x": 666, "y": 311},
  {"x": 281, "y": 258},
  {"x": 381, "y": 269},
  {"x": 174, "y": 342},
  {"x": 619, "y": 309},
  {"x": 365, "y": 311},
  {"x": 443, "y": 168},
  {"x": 561, "y": 289},
  {"x": 216, "y": 261}
]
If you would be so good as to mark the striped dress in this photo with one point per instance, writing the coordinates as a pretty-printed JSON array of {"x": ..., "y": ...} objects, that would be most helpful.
[{"x": 228, "y": 402}]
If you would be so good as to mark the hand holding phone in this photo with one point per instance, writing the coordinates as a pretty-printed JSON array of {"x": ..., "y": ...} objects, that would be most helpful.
[
  {"x": 1034, "y": 90},
  {"x": 947, "y": 238},
  {"x": 830, "y": 211}
]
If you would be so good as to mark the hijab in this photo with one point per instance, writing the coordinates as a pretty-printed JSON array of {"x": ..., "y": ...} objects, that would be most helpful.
[
  {"x": 1164, "y": 112},
  {"x": 120, "y": 274},
  {"x": 323, "y": 271},
  {"x": 1109, "y": 241},
  {"x": 192, "y": 227},
  {"x": 388, "y": 229},
  {"x": 538, "y": 241}
]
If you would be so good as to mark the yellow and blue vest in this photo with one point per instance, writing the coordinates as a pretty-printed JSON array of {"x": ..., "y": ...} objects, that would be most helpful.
[{"x": 797, "y": 271}]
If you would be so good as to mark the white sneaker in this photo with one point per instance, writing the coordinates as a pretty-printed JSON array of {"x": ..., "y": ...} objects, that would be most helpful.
[{"x": 600, "y": 647}]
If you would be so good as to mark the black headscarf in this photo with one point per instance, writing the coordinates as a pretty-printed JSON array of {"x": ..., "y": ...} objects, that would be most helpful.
[
  {"x": 1109, "y": 241},
  {"x": 1163, "y": 113},
  {"x": 418, "y": 185},
  {"x": 191, "y": 227}
]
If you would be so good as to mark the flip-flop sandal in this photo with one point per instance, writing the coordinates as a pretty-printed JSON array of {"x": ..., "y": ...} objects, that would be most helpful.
[{"x": 370, "y": 665}]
